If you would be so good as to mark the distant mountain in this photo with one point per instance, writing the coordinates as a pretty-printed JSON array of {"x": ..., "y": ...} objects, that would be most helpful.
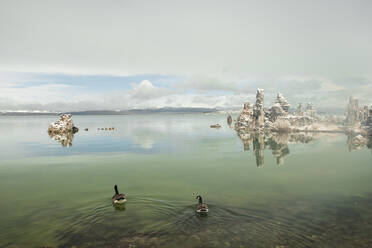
[
  {"x": 145, "y": 111},
  {"x": 25, "y": 113},
  {"x": 111, "y": 112}
]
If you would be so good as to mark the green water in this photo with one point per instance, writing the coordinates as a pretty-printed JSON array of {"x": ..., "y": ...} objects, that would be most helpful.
[{"x": 283, "y": 192}]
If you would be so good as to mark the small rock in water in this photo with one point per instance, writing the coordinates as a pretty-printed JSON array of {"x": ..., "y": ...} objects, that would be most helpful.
[
  {"x": 229, "y": 119},
  {"x": 86, "y": 129},
  {"x": 216, "y": 126}
]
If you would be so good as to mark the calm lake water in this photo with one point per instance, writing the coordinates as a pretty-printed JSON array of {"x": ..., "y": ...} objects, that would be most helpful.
[{"x": 280, "y": 191}]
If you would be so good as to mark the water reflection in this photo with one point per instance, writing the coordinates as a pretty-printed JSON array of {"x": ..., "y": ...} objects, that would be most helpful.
[
  {"x": 119, "y": 207},
  {"x": 64, "y": 138},
  {"x": 277, "y": 142},
  {"x": 174, "y": 133},
  {"x": 358, "y": 142}
]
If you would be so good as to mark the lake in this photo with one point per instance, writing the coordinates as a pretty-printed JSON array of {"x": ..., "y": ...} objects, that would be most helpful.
[{"x": 300, "y": 190}]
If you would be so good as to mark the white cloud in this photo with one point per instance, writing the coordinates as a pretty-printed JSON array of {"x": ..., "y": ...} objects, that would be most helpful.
[
  {"x": 225, "y": 51},
  {"x": 26, "y": 92},
  {"x": 146, "y": 90}
]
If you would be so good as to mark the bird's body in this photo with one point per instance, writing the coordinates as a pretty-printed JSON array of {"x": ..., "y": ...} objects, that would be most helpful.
[
  {"x": 118, "y": 198},
  {"x": 201, "y": 207}
]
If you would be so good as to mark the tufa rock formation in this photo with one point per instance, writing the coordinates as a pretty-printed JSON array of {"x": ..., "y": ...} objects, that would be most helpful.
[
  {"x": 310, "y": 111},
  {"x": 283, "y": 103},
  {"x": 277, "y": 118},
  {"x": 252, "y": 118},
  {"x": 245, "y": 119},
  {"x": 352, "y": 112},
  {"x": 364, "y": 114},
  {"x": 299, "y": 110},
  {"x": 359, "y": 125},
  {"x": 258, "y": 110},
  {"x": 367, "y": 125},
  {"x": 63, "y": 125},
  {"x": 63, "y": 130}
]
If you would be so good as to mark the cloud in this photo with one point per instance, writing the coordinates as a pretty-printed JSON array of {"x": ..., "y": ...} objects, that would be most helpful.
[
  {"x": 64, "y": 56},
  {"x": 146, "y": 90},
  {"x": 26, "y": 91}
]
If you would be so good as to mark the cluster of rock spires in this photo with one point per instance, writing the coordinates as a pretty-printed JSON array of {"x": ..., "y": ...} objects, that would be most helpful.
[
  {"x": 63, "y": 130},
  {"x": 277, "y": 117},
  {"x": 358, "y": 116},
  {"x": 357, "y": 123}
]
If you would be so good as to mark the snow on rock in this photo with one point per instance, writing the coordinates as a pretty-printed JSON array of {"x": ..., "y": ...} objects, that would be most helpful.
[
  {"x": 245, "y": 119},
  {"x": 283, "y": 102},
  {"x": 258, "y": 109},
  {"x": 278, "y": 119},
  {"x": 63, "y": 125}
]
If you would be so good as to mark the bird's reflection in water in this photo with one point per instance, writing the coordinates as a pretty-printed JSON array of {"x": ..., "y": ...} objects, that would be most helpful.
[
  {"x": 119, "y": 207},
  {"x": 277, "y": 142}
]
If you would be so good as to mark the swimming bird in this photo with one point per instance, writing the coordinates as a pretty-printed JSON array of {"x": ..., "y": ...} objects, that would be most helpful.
[
  {"x": 118, "y": 198},
  {"x": 201, "y": 207}
]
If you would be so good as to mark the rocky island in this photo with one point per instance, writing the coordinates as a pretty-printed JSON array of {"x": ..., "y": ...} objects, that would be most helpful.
[
  {"x": 358, "y": 125},
  {"x": 63, "y": 130},
  {"x": 275, "y": 127},
  {"x": 277, "y": 118}
]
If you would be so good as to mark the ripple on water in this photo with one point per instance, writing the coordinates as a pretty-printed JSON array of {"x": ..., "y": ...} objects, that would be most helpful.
[{"x": 151, "y": 222}]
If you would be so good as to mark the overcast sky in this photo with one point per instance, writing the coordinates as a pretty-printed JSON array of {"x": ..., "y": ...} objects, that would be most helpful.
[{"x": 80, "y": 55}]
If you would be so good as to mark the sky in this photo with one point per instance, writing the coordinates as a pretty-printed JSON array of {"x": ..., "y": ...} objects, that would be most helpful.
[{"x": 119, "y": 54}]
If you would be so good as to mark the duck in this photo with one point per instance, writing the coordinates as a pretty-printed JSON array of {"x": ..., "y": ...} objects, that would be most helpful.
[
  {"x": 201, "y": 207},
  {"x": 118, "y": 198}
]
